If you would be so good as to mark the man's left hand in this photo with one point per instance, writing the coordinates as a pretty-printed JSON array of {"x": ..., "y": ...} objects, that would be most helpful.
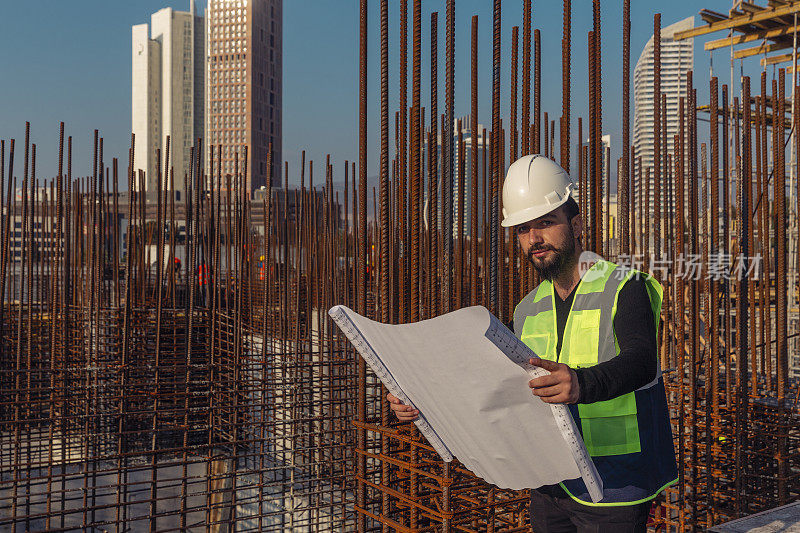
[{"x": 561, "y": 386}]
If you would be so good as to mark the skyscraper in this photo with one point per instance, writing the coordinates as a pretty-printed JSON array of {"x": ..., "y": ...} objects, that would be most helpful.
[
  {"x": 676, "y": 60},
  {"x": 466, "y": 129},
  {"x": 605, "y": 141},
  {"x": 244, "y": 86},
  {"x": 168, "y": 75}
]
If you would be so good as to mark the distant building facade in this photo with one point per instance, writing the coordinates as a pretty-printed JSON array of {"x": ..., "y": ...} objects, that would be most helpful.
[
  {"x": 677, "y": 59},
  {"x": 605, "y": 141},
  {"x": 466, "y": 131},
  {"x": 244, "y": 86},
  {"x": 167, "y": 88}
]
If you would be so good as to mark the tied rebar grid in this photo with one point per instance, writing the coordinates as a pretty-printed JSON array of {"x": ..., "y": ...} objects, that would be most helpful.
[
  {"x": 218, "y": 395},
  {"x": 661, "y": 187},
  {"x": 150, "y": 398}
]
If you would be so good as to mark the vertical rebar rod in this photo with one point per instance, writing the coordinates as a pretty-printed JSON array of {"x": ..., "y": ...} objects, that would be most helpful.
[
  {"x": 485, "y": 218},
  {"x": 599, "y": 223},
  {"x": 623, "y": 185},
  {"x": 713, "y": 313},
  {"x": 656, "y": 133},
  {"x": 433, "y": 171},
  {"x": 781, "y": 303},
  {"x": 746, "y": 187},
  {"x": 18, "y": 370},
  {"x": 581, "y": 174},
  {"x": 526, "y": 77},
  {"x": 647, "y": 202},
  {"x": 680, "y": 164},
  {"x": 512, "y": 127},
  {"x": 537, "y": 92},
  {"x": 758, "y": 332},
  {"x": 706, "y": 317},
  {"x": 384, "y": 303},
  {"x": 473, "y": 134},
  {"x": 566, "y": 39},
  {"x": 726, "y": 168},
  {"x": 494, "y": 240},
  {"x": 403, "y": 166},
  {"x": 362, "y": 257},
  {"x": 447, "y": 167},
  {"x": 512, "y": 271},
  {"x": 766, "y": 223},
  {"x": 591, "y": 202},
  {"x": 416, "y": 188},
  {"x": 694, "y": 292}
]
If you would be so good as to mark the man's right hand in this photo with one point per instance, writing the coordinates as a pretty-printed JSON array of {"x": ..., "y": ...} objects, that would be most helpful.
[{"x": 403, "y": 412}]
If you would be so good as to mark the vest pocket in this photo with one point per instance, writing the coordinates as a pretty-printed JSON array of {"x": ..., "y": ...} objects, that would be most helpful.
[
  {"x": 581, "y": 338},
  {"x": 610, "y": 427},
  {"x": 536, "y": 335},
  {"x": 538, "y": 343}
]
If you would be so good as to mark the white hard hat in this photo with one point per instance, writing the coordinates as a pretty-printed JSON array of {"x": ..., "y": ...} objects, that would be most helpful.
[{"x": 534, "y": 186}]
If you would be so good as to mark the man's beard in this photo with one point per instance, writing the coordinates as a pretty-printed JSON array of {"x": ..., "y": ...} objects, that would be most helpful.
[{"x": 563, "y": 258}]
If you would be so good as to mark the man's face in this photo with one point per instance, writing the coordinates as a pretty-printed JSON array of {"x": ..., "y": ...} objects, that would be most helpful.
[{"x": 549, "y": 242}]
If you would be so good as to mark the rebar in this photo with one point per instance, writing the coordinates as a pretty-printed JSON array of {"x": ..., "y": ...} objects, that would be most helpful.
[
  {"x": 448, "y": 164},
  {"x": 623, "y": 187},
  {"x": 217, "y": 395},
  {"x": 566, "y": 104}
]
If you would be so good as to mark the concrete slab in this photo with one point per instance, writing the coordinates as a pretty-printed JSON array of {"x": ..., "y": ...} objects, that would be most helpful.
[{"x": 784, "y": 519}]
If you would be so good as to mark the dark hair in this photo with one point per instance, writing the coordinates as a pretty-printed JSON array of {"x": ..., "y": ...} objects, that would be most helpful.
[{"x": 571, "y": 208}]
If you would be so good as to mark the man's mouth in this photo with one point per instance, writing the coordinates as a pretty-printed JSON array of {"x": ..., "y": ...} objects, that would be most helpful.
[{"x": 540, "y": 253}]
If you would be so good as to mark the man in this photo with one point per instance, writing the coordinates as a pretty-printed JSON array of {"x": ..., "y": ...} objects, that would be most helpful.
[{"x": 594, "y": 328}]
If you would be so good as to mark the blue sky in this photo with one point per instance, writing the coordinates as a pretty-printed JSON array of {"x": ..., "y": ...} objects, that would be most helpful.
[{"x": 70, "y": 61}]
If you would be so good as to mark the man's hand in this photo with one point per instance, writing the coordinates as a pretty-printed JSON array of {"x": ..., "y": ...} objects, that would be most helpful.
[
  {"x": 561, "y": 386},
  {"x": 404, "y": 413}
]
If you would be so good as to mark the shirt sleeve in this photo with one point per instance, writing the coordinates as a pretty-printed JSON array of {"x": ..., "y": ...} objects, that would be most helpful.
[{"x": 637, "y": 362}]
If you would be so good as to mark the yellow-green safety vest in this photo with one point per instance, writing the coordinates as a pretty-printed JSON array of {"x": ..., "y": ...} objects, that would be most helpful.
[{"x": 628, "y": 437}]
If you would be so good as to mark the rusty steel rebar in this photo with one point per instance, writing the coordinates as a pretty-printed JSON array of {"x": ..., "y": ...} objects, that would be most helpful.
[
  {"x": 448, "y": 159},
  {"x": 598, "y": 223},
  {"x": 656, "y": 134},
  {"x": 623, "y": 185},
  {"x": 494, "y": 167},
  {"x": 362, "y": 251},
  {"x": 591, "y": 181},
  {"x": 512, "y": 128},
  {"x": 128, "y": 381},
  {"x": 537, "y": 92},
  {"x": 511, "y": 270},
  {"x": 680, "y": 297},
  {"x": 526, "y": 78},
  {"x": 781, "y": 330},
  {"x": 566, "y": 39},
  {"x": 713, "y": 312},
  {"x": 414, "y": 155},
  {"x": 473, "y": 134}
]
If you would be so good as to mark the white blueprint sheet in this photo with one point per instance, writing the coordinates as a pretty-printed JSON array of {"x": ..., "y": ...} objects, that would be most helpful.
[{"x": 474, "y": 396}]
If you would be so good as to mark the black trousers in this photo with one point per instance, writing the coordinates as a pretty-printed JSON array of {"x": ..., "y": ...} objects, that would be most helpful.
[{"x": 553, "y": 514}]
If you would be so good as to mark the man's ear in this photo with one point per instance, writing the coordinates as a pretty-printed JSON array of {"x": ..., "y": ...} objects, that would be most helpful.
[{"x": 577, "y": 226}]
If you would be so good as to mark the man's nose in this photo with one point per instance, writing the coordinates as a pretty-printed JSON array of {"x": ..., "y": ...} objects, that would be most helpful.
[{"x": 534, "y": 236}]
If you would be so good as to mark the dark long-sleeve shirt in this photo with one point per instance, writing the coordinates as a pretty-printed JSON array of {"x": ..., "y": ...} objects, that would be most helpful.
[{"x": 636, "y": 364}]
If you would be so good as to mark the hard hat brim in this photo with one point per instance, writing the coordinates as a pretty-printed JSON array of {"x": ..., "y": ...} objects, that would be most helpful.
[{"x": 532, "y": 213}]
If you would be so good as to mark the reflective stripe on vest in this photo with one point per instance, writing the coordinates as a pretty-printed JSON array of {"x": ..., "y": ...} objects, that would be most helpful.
[{"x": 609, "y": 427}]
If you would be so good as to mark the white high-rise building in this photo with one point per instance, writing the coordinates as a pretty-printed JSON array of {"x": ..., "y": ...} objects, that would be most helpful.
[
  {"x": 466, "y": 130},
  {"x": 605, "y": 141},
  {"x": 676, "y": 60},
  {"x": 167, "y": 91}
]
